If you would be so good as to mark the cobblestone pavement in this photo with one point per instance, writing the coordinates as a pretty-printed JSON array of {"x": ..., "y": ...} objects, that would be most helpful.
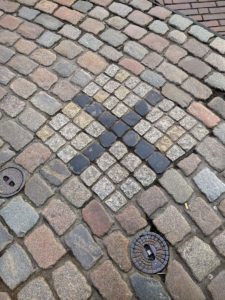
[
  {"x": 114, "y": 110},
  {"x": 209, "y": 13}
]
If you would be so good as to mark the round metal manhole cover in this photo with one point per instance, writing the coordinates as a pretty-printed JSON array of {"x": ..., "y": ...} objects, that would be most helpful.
[
  {"x": 12, "y": 180},
  {"x": 149, "y": 252}
]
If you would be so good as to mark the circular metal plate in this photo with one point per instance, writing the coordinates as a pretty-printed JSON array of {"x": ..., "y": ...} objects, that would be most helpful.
[
  {"x": 149, "y": 252},
  {"x": 12, "y": 180}
]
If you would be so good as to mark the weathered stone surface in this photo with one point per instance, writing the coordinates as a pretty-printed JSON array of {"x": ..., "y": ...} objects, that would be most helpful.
[
  {"x": 177, "y": 95},
  {"x": 152, "y": 199},
  {"x": 110, "y": 283},
  {"x": 55, "y": 172},
  {"x": 219, "y": 242},
  {"x": 180, "y": 284},
  {"x": 131, "y": 220},
  {"x": 14, "y": 134},
  {"x": 5, "y": 237},
  {"x": 219, "y": 131},
  {"x": 83, "y": 246},
  {"x": 15, "y": 266},
  {"x": 197, "y": 89},
  {"x": 176, "y": 185},
  {"x": 209, "y": 184},
  {"x": 33, "y": 156},
  {"x": 37, "y": 190},
  {"x": 172, "y": 224},
  {"x": 218, "y": 105},
  {"x": 201, "y": 33},
  {"x": 203, "y": 214},
  {"x": 216, "y": 80},
  {"x": 118, "y": 248},
  {"x": 199, "y": 256},
  {"x": 19, "y": 216},
  {"x": 36, "y": 289},
  {"x": 213, "y": 152},
  {"x": 180, "y": 22},
  {"x": 216, "y": 286},
  {"x": 70, "y": 284},
  {"x": 75, "y": 192},
  {"x": 44, "y": 247},
  {"x": 189, "y": 164},
  {"x": 46, "y": 103},
  {"x": 97, "y": 218},
  {"x": 203, "y": 114},
  {"x": 148, "y": 288},
  {"x": 59, "y": 215}
]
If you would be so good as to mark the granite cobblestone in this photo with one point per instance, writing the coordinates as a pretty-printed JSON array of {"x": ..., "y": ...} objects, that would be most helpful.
[{"x": 115, "y": 113}]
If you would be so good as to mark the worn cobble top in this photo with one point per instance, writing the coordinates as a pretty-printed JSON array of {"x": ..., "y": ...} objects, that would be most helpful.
[{"x": 115, "y": 111}]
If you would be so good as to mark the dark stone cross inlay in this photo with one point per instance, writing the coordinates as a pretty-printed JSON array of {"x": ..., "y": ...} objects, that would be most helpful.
[{"x": 119, "y": 129}]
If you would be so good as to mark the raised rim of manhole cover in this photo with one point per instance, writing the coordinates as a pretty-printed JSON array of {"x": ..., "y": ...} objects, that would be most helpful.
[
  {"x": 149, "y": 252},
  {"x": 12, "y": 180}
]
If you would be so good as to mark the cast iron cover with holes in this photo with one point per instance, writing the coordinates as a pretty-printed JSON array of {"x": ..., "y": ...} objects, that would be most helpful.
[
  {"x": 149, "y": 252},
  {"x": 12, "y": 180}
]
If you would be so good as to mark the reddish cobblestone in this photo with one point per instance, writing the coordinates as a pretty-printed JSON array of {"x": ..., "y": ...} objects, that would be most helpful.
[
  {"x": 97, "y": 218},
  {"x": 92, "y": 25},
  {"x": 155, "y": 42},
  {"x": 92, "y": 62},
  {"x": 10, "y": 22},
  {"x": 46, "y": 6},
  {"x": 30, "y": 30},
  {"x": 132, "y": 65},
  {"x": 118, "y": 248},
  {"x": 69, "y": 15},
  {"x": 33, "y": 156},
  {"x": 44, "y": 247},
  {"x": 109, "y": 282},
  {"x": 25, "y": 46},
  {"x": 8, "y": 6},
  {"x": 131, "y": 220},
  {"x": 43, "y": 78},
  {"x": 203, "y": 114},
  {"x": 59, "y": 215}
]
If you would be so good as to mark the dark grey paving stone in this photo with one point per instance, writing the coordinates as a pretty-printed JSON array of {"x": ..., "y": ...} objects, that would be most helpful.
[
  {"x": 131, "y": 118},
  {"x": 120, "y": 128},
  {"x": 107, "y": 139},
  {"x": 94, "y": 151},
  {"x": 78, "y": 164},
  {"x": 153, "y": 97},
  {"x": 107, "y": 119},
  {"x": 131, "y": 138},
  {"x": 82, "y": 100},
  {"x": 158, "y": 162},
  {"x": 95, "y": 109},
  {"x": 147, "y": 288},
  {"x": 83, "y": 246},
  {"x": 144, "y": 149},
  {"x": 142, "y": 108}
]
